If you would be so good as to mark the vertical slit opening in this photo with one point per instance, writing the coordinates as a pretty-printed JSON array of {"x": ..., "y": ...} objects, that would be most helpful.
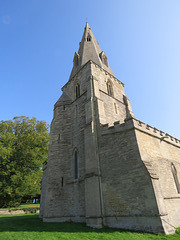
[
  {"x": 62, "y": 181},
  {"x": 75, "y": 165}
]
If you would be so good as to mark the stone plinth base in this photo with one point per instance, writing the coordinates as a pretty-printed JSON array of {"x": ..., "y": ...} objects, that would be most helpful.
[
  {"x": 150, "y": 224},
  {"x": 64, "y": 219},
  {"x": 94, "y": 222}
]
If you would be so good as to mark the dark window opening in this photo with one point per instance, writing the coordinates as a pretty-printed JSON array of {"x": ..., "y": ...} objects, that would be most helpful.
[
  {"x": 176, "y": 180},
  {"x": 59, "y": 138},
  {"x": 77, "y": 90},
  {"x": 64, "y": 107},
  {"x": 62, "y": 182},
  {"x": 75, "y": 165},
  {"x": 88, "y": 38}
]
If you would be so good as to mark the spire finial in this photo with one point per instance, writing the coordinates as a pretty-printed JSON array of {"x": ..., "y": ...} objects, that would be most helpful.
[{"x": 87, "y": 25}]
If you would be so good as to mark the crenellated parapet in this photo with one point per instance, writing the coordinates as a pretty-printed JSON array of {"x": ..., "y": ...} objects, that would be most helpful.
[
  {"x": 133, "y": 123},
  {"x": 116, "y": 127},
  {"x": 155, "y": 132}
]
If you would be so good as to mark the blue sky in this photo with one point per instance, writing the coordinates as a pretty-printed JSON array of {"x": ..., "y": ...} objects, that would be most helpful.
[{"x": 141, "y": 39}]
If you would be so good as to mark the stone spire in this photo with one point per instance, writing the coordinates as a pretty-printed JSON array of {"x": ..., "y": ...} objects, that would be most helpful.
[{"x": 89, "y": 50}]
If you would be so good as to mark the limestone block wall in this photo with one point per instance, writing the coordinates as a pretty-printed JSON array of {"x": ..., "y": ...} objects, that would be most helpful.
[
  {"x": 103, "y": 77},
  {"x": 114, "y": 110},
  {"x": 59, "y": 148},
  {"x": 65, "y": 195},
  {"x": 161, "y": 154},
  {"x": 128, "y": 195},
  {"x": 82, "y": 77},
  {"x": 110, "y": 108}
]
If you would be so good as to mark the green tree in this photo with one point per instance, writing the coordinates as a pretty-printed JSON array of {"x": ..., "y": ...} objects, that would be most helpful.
[{"x": 23, "y": 149}]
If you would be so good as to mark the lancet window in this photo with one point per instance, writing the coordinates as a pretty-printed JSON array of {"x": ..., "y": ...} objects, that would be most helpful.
[
  {"x": 109, "y": 88},
  {"x": 77, "y": 90},
  {"x": 176, "y": 180},
  {"x": 88, "y": 38}
]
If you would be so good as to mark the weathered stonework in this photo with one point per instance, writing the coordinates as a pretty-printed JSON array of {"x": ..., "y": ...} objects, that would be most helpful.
[{"x": 105, "y": 167}]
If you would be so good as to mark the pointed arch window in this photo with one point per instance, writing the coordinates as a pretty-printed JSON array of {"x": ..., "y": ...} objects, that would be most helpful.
[
  {"x": 109, "y": 88},
  {"x": 88, "y": 38},
  {"x": 76, "y": 164},
  {"x": 176, "y": 180},
  {"x": 77, "y": 90}
]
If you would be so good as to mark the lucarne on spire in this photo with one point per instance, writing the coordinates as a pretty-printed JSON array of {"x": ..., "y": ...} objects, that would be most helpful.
[{"x": 89, "y": 50}]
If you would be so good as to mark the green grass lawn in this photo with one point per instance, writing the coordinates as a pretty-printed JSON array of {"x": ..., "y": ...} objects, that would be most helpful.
[
  {"x": 22, "y": 206},
  {"x": 30, "y": 227},
  {"x": 27, "y": 205}
]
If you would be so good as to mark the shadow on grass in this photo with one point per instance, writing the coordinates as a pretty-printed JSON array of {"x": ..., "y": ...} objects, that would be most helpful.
[{"x": 32, "y": 223}]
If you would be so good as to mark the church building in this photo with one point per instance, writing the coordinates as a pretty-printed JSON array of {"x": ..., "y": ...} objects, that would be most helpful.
[{"x": 105, "y": 167}]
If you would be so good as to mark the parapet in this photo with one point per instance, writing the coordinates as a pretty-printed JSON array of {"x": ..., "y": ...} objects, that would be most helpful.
[
  {"x": 116, "y": 127},
  {"x": 155, "y": 132},
  {"x": 133, "y": 123}
]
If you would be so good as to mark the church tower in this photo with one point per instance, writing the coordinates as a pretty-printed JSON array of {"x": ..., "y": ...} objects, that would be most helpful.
[{"x": 98, "y": 171}]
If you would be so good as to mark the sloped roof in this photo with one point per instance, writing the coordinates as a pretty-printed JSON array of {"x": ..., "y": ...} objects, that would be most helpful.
[{"x": 64, "y": 99}]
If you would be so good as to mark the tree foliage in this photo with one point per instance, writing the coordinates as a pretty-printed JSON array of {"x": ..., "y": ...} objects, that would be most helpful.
[{"x": 23, "y": 149}]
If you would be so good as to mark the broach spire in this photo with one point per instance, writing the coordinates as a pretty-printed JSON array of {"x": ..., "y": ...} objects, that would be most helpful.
[{"x": 89, "y": 50}]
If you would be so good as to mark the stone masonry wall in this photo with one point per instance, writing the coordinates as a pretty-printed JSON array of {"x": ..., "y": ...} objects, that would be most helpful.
[
  {"x": 158, "y": 151},
  {"x": 65, "y": 195},
  {"x": 128, "y": 195},
  {"x": 110, "y": 108}
]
